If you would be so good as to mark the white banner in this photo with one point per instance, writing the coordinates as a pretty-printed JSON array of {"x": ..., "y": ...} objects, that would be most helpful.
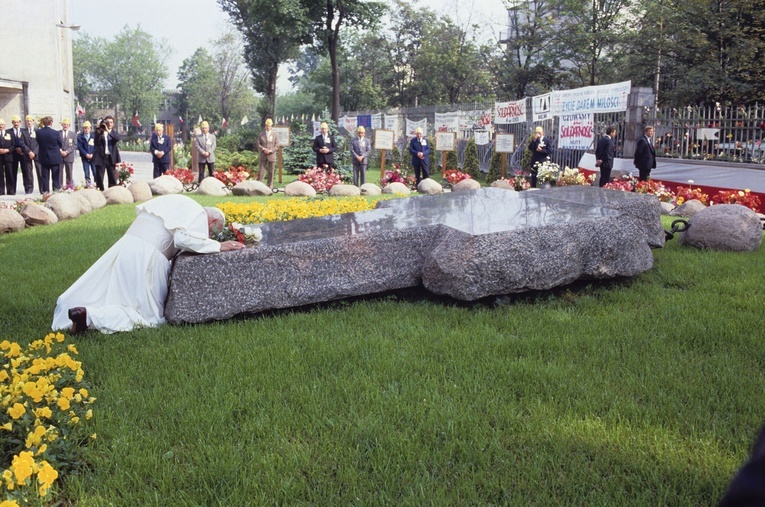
[
  {"x": 447, "y": 122},
  {"x": 506, "y": 113},
  {"x": 592, "y": 99},
  {"x": 377, "y": 121},
  {"x": 392, "y": 123},
  {"x": 481, "y": 138},
  {"x": 475, "y": 120},
  {"x": 575, "y": 131},
  {"x": 349, "y": 123},
  {"x": 541, "y": 107},
  {"x": 316, "y": 128},
  {"x": 411, "y": 127}
]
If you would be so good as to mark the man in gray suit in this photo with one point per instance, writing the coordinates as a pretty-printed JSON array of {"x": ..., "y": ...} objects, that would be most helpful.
[
  {"x": 67, "y": 152},
  {"x": 360, "y": 148},
  {"x": 206, "y": 143}
]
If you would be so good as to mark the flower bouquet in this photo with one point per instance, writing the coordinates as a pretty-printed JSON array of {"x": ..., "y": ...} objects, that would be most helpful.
[
  {"x": 232, "y": 176},
  {"x": 571, "y": 177},
  {"x": 547, "y": 171},
  {"x": 684, "y": 194},
  {"x": 124, "y": 172},
  {"x": 626, "y": 183},
  {"x": 321, "y": 178},
  {"x": 657, "y": 188},
  {"x": 185, "y": 176},
  {"x": 397, "y": 176},
  {"x": 454, "y": 176},
  {"x": 245, "y": 234},
  {"x": 742, "y": 197}
]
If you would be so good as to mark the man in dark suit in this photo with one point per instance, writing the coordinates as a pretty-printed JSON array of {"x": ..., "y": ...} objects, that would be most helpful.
[
  {"x": 7, "y": 177},
  {"x": 106, "y": 154},
  {"x": 86, "y": 146},
  {"x": 604, "y": 155},
  {"x": 420, "y": 149},
  {"x": 67, "y": 152},
  {"x": 18, "y": 148},
  {"x": 645, "y": 155},
  {"x": 325, "y": 146},
  {"x": 541, "y": 151},
  {"x": 160, "y": 147},
  {"x": 50, "y": 145},
  {"x": 30, "y": 164}
]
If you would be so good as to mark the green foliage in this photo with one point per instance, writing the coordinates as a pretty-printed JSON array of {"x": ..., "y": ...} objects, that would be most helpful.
[
  {"x": 526, "y": 158},
  {"x": 299, "y": 155},
  {"x": 470, "y": 164},
  {"x": 452, "y": 162},
  {"x": 128, "y": 69},
  {"x": 495, "y": 168}
]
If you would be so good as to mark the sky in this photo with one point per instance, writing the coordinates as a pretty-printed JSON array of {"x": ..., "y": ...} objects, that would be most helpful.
[{"x": 189, "y": 24}]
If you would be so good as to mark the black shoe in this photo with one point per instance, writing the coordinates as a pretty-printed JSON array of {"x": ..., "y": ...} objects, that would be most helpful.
[{"x": 79, "y": 318}]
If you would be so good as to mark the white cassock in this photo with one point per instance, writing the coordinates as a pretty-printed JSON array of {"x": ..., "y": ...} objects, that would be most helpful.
[{"x": 127, "y": 286}]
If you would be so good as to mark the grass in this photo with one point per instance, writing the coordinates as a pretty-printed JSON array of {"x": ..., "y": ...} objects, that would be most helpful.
[{"x": 644, "y": 391}]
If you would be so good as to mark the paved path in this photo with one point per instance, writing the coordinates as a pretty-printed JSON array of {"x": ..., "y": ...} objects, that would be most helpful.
[{"x": 140, "y": 161}]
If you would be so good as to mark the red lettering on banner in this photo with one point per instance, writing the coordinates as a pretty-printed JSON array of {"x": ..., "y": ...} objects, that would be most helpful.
[
  {"x": 511, "y": 110},
  {"x": 576, "y": 131}
]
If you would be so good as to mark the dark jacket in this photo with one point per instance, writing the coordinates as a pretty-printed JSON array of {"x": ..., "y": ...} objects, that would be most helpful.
[
  {"x": 416, "y": 146},
  {"x": 645, "y": 155},
  {"x": 164, "y": 146},
  {"x": 605, "y": 152},
  {"x": 84, "y": 146},
  {"x": 325, "y": 158},
  {"x": 50, "y": 145},
  {"x": 99, "y": 154},
  {"x": 542, "y": 155},
  {"x": 6, "y": 142}
]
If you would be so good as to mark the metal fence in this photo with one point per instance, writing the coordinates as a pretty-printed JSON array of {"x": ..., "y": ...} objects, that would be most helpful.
[
  {"x": 720, "y": 133},
  {"x": 731, "y": 133}
]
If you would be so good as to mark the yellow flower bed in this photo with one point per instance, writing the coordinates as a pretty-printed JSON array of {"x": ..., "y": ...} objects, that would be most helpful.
[
  {"x": 43, "y": 401},
  {"x": 290, "y": 209}
]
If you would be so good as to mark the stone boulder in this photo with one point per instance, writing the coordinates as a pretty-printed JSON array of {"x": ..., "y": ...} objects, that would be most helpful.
[
  {"x": 667, "y": 208},
  {"x": 503, "y": 184},
  {"x": 370, "y": 189},
  {"x": 166, "y": 185},
  {"x": 299, "y": 189},
  {"x": 251, "y": 187},
  {"x": 212, "y": 186},
  {"x": 688, "y": 209},
  {"x": 464, "y": 185},
  {"x": 141, "y": 191},
  {"x": 34, "y": 214},
  {"x": 345, "y": 191},
  {"x": 85, "y": 206},
  {"x": 120, "y": 195},
  {"x": 64, "y": 205},
  {"x": 396, "y": 188},
  {"x": 726, "y": 227},
  {"x": 94, "y": 197},
  {"x": 430, "y": 186},
  {"x": 10, "y": 221}
]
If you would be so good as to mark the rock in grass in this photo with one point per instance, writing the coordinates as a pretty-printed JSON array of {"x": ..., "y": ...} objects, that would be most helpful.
[
  {"x": 34, "y": 214},
  {"x": 726, "y": 227},
  {"x": 10, "y": 221},
  {"x": 94, "y": 197},
  {"x": 64, "y": 205},
  {"x": 370, "y": 189},
  {"x": 212, "y": 186},
  {"x": 344, "y": 191},
  {"x": 299, "y": 189},
  {"x": 141, "y": 191},
  {"x": 430, "y": 186},
  {"x": 165, "y": 185},
  {"x": 251, "y": 187},
  {"x": 396, "y": 188},
  {"x": 120, "y": 194}
]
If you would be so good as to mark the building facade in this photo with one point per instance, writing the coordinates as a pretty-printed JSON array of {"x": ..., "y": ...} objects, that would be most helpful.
[{"x": 36, "y": 77}]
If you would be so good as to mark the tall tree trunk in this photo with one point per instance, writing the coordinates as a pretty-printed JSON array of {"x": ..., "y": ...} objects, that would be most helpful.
[
  {"x": 335, "y": 77},
  {"x": 273, "y": 72}
]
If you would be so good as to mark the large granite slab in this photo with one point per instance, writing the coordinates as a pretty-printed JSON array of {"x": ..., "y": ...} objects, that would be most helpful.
[{"x": 466, "y": 245}]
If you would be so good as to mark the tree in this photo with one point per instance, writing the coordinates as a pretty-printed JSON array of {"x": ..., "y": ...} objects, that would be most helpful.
[
  {"x": 471, "y": 165},
  {"x": 235, "y": 97},
  {"x": 589, "y": 37},
  {"x": 273, "y": 31},
  {"x": 331, "y": 16},
  {"x": 129, "y": 69},
  {"x": 197, "y": 82}
]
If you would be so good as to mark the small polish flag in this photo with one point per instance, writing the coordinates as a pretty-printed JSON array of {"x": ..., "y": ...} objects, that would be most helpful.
[
  {"x": 224, "y": 124},
  {"x": 80, "y": 110},
  {"x": 135, "y": 121},
  {"x": 180, "y": 119}
]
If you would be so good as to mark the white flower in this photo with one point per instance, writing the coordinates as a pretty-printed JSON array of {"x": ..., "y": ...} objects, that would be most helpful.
[{"x": 252, "y": 232}]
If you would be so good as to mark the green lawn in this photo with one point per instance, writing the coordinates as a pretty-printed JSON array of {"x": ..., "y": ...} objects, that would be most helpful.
[{"x": 644, "y": 391}]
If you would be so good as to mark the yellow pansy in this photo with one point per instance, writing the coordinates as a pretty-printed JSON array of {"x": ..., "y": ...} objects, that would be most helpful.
[
  {"x": 16, "y": 411},
  {"x": 9, "y": 503},
  {"x": 67, "y": 392},
  {"x": 63, "y": 403},
  {"x": 44, "y": 412},
  {"x": 3, "y": 376},
  {"x": 23, "y": 466},
  {"x": 46, "y": 475}
]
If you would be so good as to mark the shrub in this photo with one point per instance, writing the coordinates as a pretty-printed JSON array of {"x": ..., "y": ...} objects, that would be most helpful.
[
  {"x": 495, "y": 168},
  {"x": 470, "y": 164}
]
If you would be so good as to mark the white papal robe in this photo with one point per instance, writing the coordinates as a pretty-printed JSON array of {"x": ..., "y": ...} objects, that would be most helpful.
[{"x": 127, "y": 286}]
